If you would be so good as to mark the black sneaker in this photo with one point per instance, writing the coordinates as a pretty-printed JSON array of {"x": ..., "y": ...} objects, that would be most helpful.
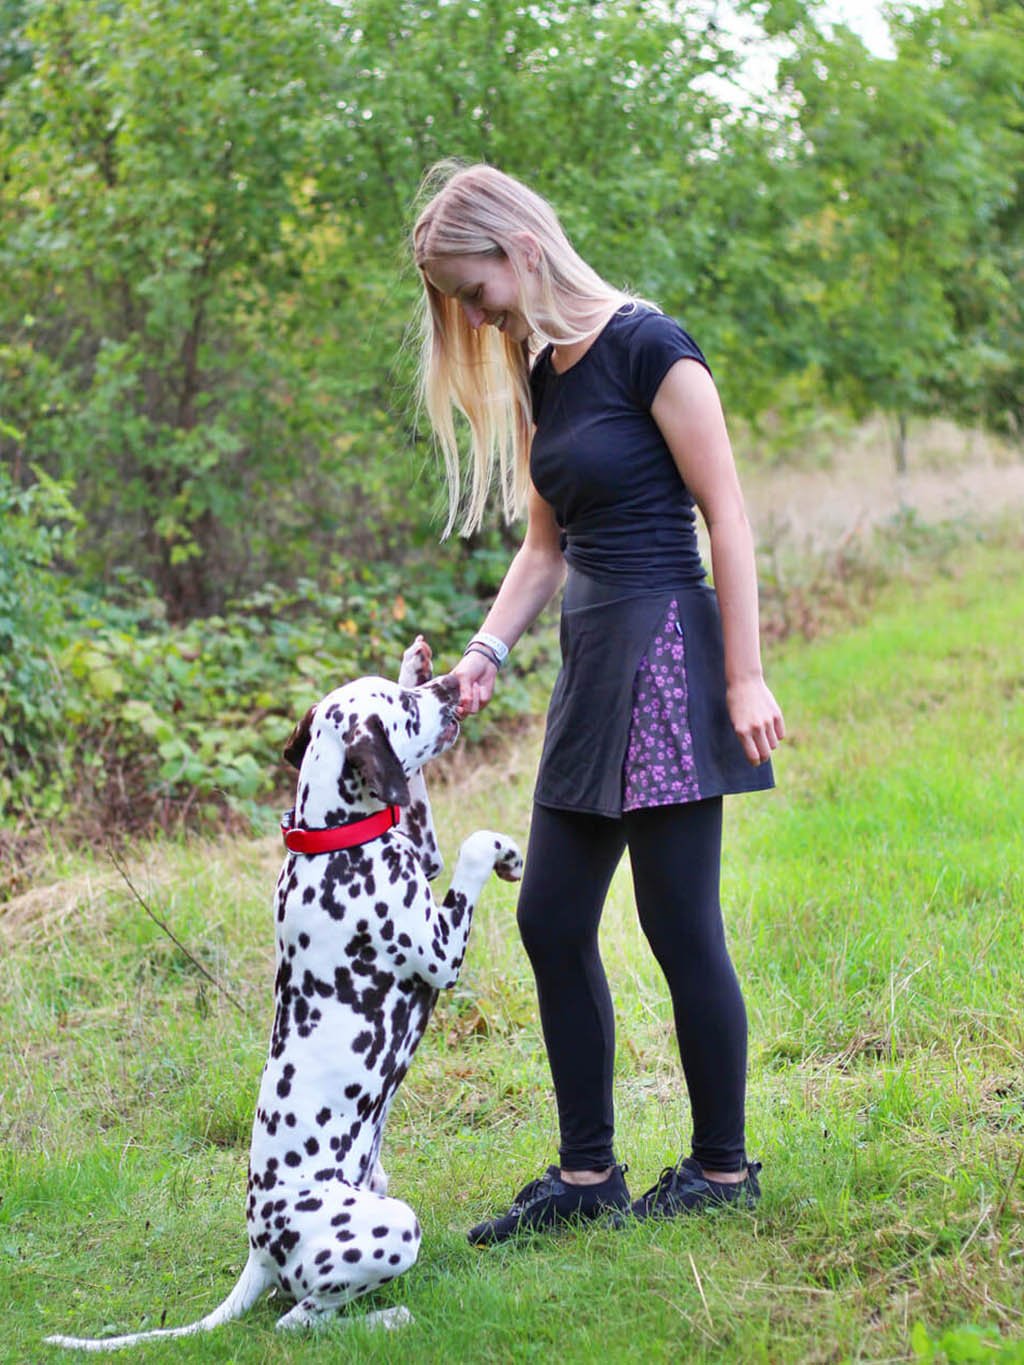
[
  {"x": 550, "y": 1202},
  {"x": 686, "y": 1189}
]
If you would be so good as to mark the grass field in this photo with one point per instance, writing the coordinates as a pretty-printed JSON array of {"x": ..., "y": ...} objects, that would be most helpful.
[{"x": 874, "y": 904}]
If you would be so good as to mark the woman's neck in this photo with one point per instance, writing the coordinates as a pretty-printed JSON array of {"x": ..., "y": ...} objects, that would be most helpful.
[{"x": 565, "y": 356}]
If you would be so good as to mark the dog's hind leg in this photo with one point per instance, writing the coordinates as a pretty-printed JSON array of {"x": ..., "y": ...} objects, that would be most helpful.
[
  {"x": 378, "y": 1240},
  {"x": 310, "y": 1314}
]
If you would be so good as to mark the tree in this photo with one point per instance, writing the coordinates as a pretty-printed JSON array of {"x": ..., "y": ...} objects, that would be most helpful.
[
  {"x": 976, "y": 50},
  {"x": 203, "y": 214},
  {"x": 155, "y": 219},
  {"x": 908, "y": 174}
]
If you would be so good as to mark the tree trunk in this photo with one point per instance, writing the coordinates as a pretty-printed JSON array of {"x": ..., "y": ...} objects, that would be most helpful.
[{"x": 900, "y": 443}]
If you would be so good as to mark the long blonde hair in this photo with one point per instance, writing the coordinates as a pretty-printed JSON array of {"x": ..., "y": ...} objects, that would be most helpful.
[{"x": 477, "y": 210}]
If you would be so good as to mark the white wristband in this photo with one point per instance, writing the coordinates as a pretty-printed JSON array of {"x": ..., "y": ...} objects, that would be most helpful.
[{"x": 499, "y": 647}]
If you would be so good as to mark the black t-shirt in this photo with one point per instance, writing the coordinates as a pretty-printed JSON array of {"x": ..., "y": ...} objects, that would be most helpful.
[{"x": 600, "y": 461}]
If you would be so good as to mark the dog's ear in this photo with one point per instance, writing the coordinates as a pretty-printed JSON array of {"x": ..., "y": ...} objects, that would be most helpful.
[
  {"x": 372, "y": 754},
  {"x": 298, "y": 743}
]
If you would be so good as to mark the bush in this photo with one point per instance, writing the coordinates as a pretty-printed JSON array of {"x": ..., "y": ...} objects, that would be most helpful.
[
  {"x": 152, "y": 723},
  {"x": 39, "y": 526}
]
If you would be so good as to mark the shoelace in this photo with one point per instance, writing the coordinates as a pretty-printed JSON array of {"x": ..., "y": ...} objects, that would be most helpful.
[
  {"x": 530, "y": 1194},
  {"x": 683, "y": 1176},
  {"x": 665, "y": 1181}
]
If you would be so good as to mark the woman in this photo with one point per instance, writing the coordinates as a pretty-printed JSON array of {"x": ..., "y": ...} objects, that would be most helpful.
[{"x": 660, "y": 708}]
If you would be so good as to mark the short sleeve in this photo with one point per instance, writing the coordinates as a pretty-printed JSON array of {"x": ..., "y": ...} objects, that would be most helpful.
[{"x": 655, "y": 346}]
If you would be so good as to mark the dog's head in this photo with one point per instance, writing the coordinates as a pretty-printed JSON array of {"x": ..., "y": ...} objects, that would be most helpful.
[{"x": 367, "y": 739}]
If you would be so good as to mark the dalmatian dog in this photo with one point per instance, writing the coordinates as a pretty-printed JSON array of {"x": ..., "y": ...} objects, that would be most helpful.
[{"x": 362, "y": 950}]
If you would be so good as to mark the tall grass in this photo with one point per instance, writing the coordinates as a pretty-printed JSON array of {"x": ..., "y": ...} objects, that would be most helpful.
[{"x": 874, "y": 906}]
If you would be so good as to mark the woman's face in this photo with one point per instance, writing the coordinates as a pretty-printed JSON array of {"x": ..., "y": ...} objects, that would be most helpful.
[{"x": 487, "y": 289}]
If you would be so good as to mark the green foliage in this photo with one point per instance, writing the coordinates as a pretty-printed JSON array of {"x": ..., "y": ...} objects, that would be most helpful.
[
  {"x": 960, "y": 1345},
  {"x": 132, "y": 720},
  {"x": 38, "y": 528},
  {"x": 160, "y": 162},
  {"x": 217, "y": 197},
  {"x": 207, "y": 291},
  {"x": 911, "y": 164},
  {"x": 976, "y": 48}
]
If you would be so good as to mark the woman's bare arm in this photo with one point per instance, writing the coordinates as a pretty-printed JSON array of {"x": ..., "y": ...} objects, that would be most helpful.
[{"x": 689, "y": 414}]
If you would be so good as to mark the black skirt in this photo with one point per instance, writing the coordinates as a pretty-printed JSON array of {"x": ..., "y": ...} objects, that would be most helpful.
[{"x": 609, "y": 639}]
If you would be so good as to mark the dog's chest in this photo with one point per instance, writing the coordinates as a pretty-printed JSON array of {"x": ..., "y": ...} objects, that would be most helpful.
[
  {"x": 345, "y": 1030},
  {"x": 344, "y": 1010}
]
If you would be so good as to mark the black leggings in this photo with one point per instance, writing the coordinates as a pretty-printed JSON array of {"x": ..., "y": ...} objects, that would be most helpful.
[{"x": 674, "y": 852}]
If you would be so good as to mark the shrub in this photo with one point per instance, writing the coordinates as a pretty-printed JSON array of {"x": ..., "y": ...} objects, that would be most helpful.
[{"x": 39, "y": 526}]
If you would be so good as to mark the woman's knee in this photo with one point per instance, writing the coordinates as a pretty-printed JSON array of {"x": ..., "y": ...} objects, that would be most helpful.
[
  {"x": 569, "y": 865},
  {"x": 549, "y": 934},
  {"x": 678, "y": 929}
]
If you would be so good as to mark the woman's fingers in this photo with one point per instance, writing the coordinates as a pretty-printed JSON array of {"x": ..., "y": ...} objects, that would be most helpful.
[
  {"x": 476, "y": 683},
  {"x": 757, "y": 720}
]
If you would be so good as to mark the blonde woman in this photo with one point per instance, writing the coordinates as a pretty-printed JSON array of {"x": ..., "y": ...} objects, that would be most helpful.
[{"x": 599, "y": 416}]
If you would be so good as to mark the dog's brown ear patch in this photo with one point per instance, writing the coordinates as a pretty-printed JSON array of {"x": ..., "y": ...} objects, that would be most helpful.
[
  {"x": 298, "y": 742},
  {"x": 372, "y": 754}
]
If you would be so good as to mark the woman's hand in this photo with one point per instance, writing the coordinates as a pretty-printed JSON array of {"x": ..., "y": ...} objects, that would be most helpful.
[
  {"x": 755, "y": 717},
  {"x": 476, "y": 675}
]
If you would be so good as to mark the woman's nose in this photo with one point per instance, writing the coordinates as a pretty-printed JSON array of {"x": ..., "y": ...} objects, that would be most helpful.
[{"x": 474, "y": 316}]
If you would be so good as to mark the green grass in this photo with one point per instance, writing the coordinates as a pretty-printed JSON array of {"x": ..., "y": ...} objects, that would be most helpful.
[{"x": 874, "y": 905}]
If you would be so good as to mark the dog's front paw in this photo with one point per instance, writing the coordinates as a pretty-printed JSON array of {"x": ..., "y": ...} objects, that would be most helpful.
[
  {"x": 508, "y": 865},
  {"x": 416, "y": 664}
]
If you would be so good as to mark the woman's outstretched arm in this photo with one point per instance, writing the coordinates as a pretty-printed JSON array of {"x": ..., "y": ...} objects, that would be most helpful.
[{"x": 689, "y": 414}]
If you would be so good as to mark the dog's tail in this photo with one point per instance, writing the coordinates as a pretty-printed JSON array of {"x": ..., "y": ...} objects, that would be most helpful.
[{"x": 253, "y": 1280}]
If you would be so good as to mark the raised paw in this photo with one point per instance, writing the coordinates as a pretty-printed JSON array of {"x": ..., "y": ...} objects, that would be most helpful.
[
  {"x": 508, "y": 865},
  {"x": 416, "y": 664}
]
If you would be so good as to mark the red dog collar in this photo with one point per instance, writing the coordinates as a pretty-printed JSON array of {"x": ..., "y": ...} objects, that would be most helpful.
[{"x": 340, "y": 836}]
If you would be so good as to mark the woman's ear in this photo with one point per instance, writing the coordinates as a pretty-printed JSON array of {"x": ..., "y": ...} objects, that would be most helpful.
[{"x": 530, "y": 248}]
